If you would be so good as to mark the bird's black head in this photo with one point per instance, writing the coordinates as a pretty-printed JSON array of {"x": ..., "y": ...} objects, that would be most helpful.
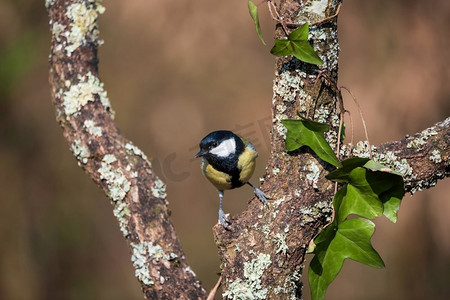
[{"x": 221, "y": 144}]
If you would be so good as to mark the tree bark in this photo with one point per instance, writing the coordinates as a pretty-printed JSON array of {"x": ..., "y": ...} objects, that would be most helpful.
[
  {"x": 113, "y": 162},
  {"x": 262, "y": 256}
]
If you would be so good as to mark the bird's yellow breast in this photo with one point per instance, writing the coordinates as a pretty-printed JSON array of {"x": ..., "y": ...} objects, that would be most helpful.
[
  {"x": 246, "y": 164},
  {"x": 221, "y": 180}
]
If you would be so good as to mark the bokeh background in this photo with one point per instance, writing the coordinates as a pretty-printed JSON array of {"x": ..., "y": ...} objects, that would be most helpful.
[{"x": 175, "y": 70}]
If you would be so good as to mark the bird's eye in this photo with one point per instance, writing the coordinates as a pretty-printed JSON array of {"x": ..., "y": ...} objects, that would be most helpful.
[{"x": 213, "y": 145}]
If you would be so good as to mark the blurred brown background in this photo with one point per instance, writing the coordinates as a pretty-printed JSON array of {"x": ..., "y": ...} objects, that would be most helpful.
[{"x": 175, "y": 70}]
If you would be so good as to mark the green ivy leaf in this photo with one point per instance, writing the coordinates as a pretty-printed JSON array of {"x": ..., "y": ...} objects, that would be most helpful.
[
  {"x": 390, "y": 189},
  {"x": 253, "y": 10},
  {"x": 392, "y": 199},
  {"x": 298, "y": 46},
  {"x": 374, "y": 166},
  {"x": 300, "y": 33},
  {"x": 380, "y": 180},
  {"x": 360, "y": 199},
  {"x": 350, "y": 239},
  {"x": 313, "y": 125},
  {"x": 370, "y": 190},
  {"x": 348, "y": 165},
  {"x": 309, "y": 133}
]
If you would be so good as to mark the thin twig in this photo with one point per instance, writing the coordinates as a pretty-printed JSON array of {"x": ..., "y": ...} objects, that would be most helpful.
[
  {"x": 278, "y": 18},
  {"x": 213, "y": 292},
  {"x": 362, "y": 118},
  {"x": 341, "y": 119},
  {"x": 308, "y": 106},
  {"x": 327, "y": 18},
  {"x": 352, "y": 128},
  {"x": 271, "y": 12},
  {"x": 341, "y": 122}
]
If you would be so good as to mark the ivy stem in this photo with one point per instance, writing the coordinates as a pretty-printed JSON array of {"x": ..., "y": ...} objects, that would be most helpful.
[
  {"x": 362, "y": 118},
  {"x": 341, "y": 122},
  {"x": 338, "y": 9},
  {"x": 278, "y": 17},
  {"x": 213, "y": 292}
]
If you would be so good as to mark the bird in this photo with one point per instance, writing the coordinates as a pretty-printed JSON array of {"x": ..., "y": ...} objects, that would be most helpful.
[{"x": 228, "y": 162}]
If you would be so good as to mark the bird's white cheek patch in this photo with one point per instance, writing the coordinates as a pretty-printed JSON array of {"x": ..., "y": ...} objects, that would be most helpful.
[{"x": 225, "y": 148}]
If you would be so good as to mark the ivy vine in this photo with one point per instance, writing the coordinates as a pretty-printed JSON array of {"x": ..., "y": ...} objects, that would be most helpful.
[
  {"x": 367, "y": 190},
  {"x": 295, "y": 43}
]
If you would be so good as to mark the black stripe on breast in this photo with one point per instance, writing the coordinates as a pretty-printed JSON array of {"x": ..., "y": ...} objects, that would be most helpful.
[{"x": 229, "y": 164}]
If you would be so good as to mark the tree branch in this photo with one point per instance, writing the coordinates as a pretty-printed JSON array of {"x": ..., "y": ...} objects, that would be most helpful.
[
  {"x": 262, "y": 255},
  {"x": 113, "y": 162},
  {"x": 423, "y": 158}
]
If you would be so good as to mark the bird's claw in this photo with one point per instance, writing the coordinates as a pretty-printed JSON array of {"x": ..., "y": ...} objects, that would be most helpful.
[
  {"x": 224, "y": 220},
  {"x": 261, "y": 195}
]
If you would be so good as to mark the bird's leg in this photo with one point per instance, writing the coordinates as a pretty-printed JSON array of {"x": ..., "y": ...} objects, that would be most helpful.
[
  {"x": 260, "y": 194},
  {"x": 222, "y": 217}
]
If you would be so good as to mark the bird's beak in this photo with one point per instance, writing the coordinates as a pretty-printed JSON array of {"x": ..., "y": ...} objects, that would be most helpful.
[{"x": 200, "y": 153}]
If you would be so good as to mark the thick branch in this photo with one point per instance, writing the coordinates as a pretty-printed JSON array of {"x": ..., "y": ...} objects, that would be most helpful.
[
  {"x": 423, "y": 157},
  {"x": 263, "y": 254},
  {"x": 112, "y": 161}
]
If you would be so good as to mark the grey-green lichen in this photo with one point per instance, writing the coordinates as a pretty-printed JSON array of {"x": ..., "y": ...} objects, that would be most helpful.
[
  {"x": 331, "y": 137},
  {"x": 159, "y": 189},
  {"x": 133, "y": 174},
  {"x": 118, "y": 187},
  {"x": 361, "y": 149},
  {"x": 265, "y": 230},
  {"x": 49, "y": 3},
  {"x": 419, "y": 141},
  {"x": 143, "y": 254},
  {"x": 80, "y": 151},
  {"x": 286, "y": 229},
  {"x": 122, "y": 213},
  {"x": 279, "y": 201},
  {"x": 140, "y": 263},
  {"x": 435, "y": 156},
  {"x": 280, "y": 242},
  {"x": 250, "y": 288},
  {"x": 285, "y": 86},
  {"x": 319, "y": 209},
  {"x": 83, "y": 25},
  {"x": 156, "y": 252},
  {"x": 389, "y": 159},
  {"x": 289, "y": 286},
  {"x": 134, "y": 150},
  {"x": 57, "y": 30},
  {"x": 92, "y": 129},
  {"x": 326, "y": 39},
  {"x": 80, "y": 94},
  {"x": 314, "y": 173},
  {"x": 321, "y": 114},
  {"x": 275, "y": 171},
  {"x": 317, "y": 7},
  {"x": 427, "y": 183},
  {"x": 117, "y": 182}
]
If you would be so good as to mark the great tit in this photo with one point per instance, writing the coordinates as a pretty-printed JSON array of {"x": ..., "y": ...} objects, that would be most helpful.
[{"x": 228, "y": 162}]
